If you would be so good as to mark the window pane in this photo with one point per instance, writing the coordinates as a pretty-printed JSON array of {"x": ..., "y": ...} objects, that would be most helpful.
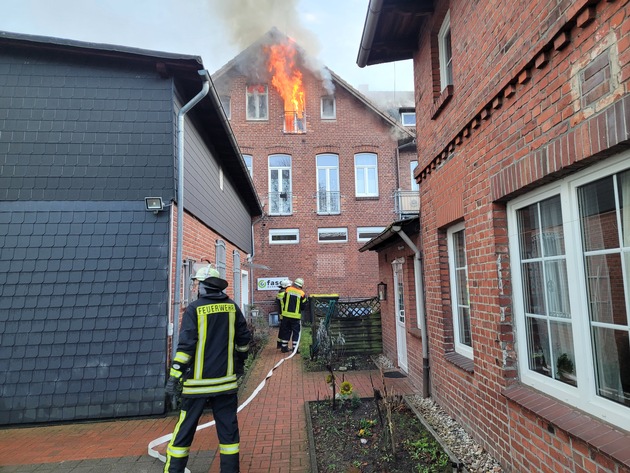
[
  {"x": 365, "y": 159},
  {"x": 361, "y": 181},
  {"x": 529, "y": 232},
  {"x": 598, "y": 216},
  {"x": 557, "y": 289},
  {"x": 552, "y": 230},
  {"x": 612, "y": 358},
  {"x": 371, "y": 176},
  {"x": 459, "y": 245},
  {"x": 464, "y": 326},
  {"x": 623, "y": 185},
  {"x": 563, "y": 352},
  {"x": 538, "y": 346},
  {"x": 533, "y": 292},
  {"x": 605, "y": 288},
  {"x": 280, "y": 161},
  {"x": 327, "y": 160}
]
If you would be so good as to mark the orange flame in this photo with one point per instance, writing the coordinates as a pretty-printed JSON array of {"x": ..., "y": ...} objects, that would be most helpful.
[{"x": 287, "y": 80}]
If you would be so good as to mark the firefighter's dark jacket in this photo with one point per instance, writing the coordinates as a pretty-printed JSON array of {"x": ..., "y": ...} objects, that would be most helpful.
[
  {"x": 292, "y": 301},
  {"x": 213, "y": 345}
]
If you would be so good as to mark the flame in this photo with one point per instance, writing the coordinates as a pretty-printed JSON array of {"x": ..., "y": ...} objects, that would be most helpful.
[{"x": 287, "y": 80}]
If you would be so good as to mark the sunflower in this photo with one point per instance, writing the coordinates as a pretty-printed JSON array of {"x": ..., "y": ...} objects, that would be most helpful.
[{"x": 346, "y": 388}]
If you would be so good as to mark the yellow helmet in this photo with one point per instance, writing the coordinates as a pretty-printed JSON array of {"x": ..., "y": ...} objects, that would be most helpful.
[{"x": 206, "y": 272}]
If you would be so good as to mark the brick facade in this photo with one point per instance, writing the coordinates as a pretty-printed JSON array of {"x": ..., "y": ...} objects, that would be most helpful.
[
  {"x": 326, "y": 267},
  {"x": 541, "y": 98}
]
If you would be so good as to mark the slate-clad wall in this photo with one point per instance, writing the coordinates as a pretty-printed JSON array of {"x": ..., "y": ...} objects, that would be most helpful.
[{"x": 83, "y": 267}]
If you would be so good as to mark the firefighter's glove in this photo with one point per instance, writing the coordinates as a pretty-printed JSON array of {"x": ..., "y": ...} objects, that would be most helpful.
[{"x": 173, "y": 386}]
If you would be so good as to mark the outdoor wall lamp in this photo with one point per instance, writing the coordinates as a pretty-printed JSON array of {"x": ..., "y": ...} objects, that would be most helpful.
[
  {"x": 154, "y": 204},
  {"x": 382, "y": 291}
]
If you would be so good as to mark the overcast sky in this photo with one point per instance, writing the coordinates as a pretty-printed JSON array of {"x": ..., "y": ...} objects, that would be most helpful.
[{"x": 216, "y": 30}]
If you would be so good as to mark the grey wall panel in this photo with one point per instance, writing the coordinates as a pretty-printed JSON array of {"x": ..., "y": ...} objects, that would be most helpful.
[
  {"x": 83, "y": 129},
  {"x": 222, "y": 210},
  {"x": 83, "y": 310}
]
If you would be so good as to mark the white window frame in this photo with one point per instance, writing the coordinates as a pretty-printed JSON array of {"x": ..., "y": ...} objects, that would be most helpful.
[
  {"x": 226, "y": 104},
  {"x": 459, "y": 346},
  {"x": 583, "y": 396},
  {"x": 250, "y": 165},
  {"x": 404, "y": 119},
  {"x": 361, "y": 173},
  {"x": 248, "y": 95},
  {"x": 281, "y": 232},
  {"x": 414, "y": 185},
  {"x": 445, "y": 52},
  {"x": 331, "y": 194},
  {"x": 289, "y": 191},
  {"x": 334, "y": 107},
  {"x": 341, "y": 230},
  {"x": 375, "y": 230}
]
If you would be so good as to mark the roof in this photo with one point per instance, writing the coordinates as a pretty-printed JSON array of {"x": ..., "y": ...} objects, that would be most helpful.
[
  {"x": 185, "y": 71},
  {"x": 247, "y": 62},
  {"x": 390, "y": 32},
  {"x": 389, "y": 235}
]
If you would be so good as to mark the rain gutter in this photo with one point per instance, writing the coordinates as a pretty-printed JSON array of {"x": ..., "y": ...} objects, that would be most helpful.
[
  {"x": 180, "y": 202},
  {"x": 371, "y": 20}
]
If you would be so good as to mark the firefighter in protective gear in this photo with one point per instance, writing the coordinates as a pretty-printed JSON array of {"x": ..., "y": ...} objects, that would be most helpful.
[
  {"x": 283, "y": 287},
  {"x": 213, "y": 345},
  {"x": 291, "y": 303}
]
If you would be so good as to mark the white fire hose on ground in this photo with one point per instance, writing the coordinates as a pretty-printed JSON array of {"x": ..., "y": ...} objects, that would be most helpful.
[{"x": 166, "y": 438}]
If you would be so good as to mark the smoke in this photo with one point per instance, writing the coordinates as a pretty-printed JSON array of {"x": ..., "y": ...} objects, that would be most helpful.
[{"x": 247, "y": 21}]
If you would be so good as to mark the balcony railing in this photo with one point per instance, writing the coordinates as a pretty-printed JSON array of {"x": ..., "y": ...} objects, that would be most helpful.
[
  {"x": 329, "y": 202},
  {"x": 294, "y": 122},
  {"x": 280, "y": 203},
  {"x": 407, "y": 203}
]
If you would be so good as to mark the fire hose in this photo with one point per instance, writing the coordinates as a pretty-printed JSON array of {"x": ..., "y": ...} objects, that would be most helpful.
[{"x": 165, "y": 438}]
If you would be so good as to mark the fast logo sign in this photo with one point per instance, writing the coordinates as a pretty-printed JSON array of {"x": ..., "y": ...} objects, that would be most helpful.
[{"x": 270, "y": 284}]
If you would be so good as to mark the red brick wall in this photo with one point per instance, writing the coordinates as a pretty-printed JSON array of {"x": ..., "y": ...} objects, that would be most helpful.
[
  {"x": 518, "y": 118},
  {"x": 332, "y": 267}
]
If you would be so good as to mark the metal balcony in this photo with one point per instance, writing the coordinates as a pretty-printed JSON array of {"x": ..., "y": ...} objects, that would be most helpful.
[
  {"x": 280, "y": 203},
  {"x": 329, "y": 203},
  {"x": 406, "y": 203}
]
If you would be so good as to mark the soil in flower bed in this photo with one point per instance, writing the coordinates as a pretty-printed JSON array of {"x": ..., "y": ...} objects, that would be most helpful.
[
  {"x": 353, "y": 438},
  {"x": 346, "y": 363}
]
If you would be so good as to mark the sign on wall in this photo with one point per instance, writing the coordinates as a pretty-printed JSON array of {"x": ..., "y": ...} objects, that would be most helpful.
[{"x": 269, "y": 284}]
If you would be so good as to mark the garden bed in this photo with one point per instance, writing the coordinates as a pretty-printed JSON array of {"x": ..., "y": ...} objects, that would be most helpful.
[{"x": 355, "y": 438}]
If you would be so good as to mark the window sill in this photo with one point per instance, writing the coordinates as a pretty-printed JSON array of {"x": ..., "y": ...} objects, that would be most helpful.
[
  {"x": 441, "y": 101},
  {"x": 415, "y": 333},
  {"x": 586, "y": 428},
  {"x": 461, "y": 362},
  {"x": 366, "y": 197}
]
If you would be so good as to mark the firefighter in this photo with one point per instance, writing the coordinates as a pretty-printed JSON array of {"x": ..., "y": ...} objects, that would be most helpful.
[
  {"x": 213, "y": 345},
  {"x": 283, "y": 287},
  {"x": 291, "y": 302}
]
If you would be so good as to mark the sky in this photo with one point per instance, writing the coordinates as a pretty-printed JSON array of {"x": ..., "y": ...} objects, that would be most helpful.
[{"x": 216, "y": 30}]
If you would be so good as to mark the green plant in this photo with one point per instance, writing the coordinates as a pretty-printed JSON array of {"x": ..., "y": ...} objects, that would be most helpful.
[
  {"x": 564, "y": 364},
  {"x": 428, "y": 451}
]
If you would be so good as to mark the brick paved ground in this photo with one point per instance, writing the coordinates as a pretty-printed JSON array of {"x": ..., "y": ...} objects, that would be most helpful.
[{"x": 273, "y": 430}]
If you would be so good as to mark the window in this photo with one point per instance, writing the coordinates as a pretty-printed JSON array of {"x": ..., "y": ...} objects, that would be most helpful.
[
  {"x": 408, "y": 119},
  {"x": 329, "y": 108},
  {"x": 236, "y": 275},
  {"x": 226, "y": 104},
  {"x": 332, "y": 235},
  {"x": 328, "y": 196},
  {"x": 366, "y": 175},
  {"x": 249, "y": 163},
  {"x": 220, "y": 257},
  {"x": 280, "y": 198},
  {"x": 257, "y": 102},
  {"x": 412, "y": 167},
  {"x": 458, "y": 272},
  {"x": 284, "y": 236},
  {"x": 446, "y": 54},
  {"x": 367, "y": 233},
  {"x": 570, "y": 253}
]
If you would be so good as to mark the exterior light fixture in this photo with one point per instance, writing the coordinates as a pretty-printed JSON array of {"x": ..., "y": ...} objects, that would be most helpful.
[
  {"x": 154, "y": 204},
  {"x": 382, "y": 291}
]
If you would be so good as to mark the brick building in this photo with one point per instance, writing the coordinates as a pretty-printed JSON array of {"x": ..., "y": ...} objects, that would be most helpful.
[
  {"x": 331, "y": 171},
  {"x": 516, "y": 278}
]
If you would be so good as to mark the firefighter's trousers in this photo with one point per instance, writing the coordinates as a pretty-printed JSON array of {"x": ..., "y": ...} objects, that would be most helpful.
[
  {"x": 289, "y": 328},
  {"x": 224, "y": 409}
]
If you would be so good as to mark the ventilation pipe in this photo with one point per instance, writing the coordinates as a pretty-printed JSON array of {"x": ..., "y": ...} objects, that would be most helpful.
[
  {"x": 417, "y": 268},
  {"x": 180, "y": 203}
]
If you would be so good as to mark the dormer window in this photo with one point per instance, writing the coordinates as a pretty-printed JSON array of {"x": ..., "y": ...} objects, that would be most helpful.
[
  {"x": 257, "y": 102},
  {"x": 408, "y": 119}
]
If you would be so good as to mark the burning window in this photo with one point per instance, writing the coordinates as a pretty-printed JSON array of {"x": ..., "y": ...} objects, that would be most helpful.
[
  {"x": 287, "y": 80},
  {"x": 257, "y": 101}
]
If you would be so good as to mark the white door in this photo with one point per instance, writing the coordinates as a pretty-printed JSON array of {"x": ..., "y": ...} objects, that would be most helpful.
[
  {"x": 244, "y": 290},
  {"x": 399, "y": 307}
]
